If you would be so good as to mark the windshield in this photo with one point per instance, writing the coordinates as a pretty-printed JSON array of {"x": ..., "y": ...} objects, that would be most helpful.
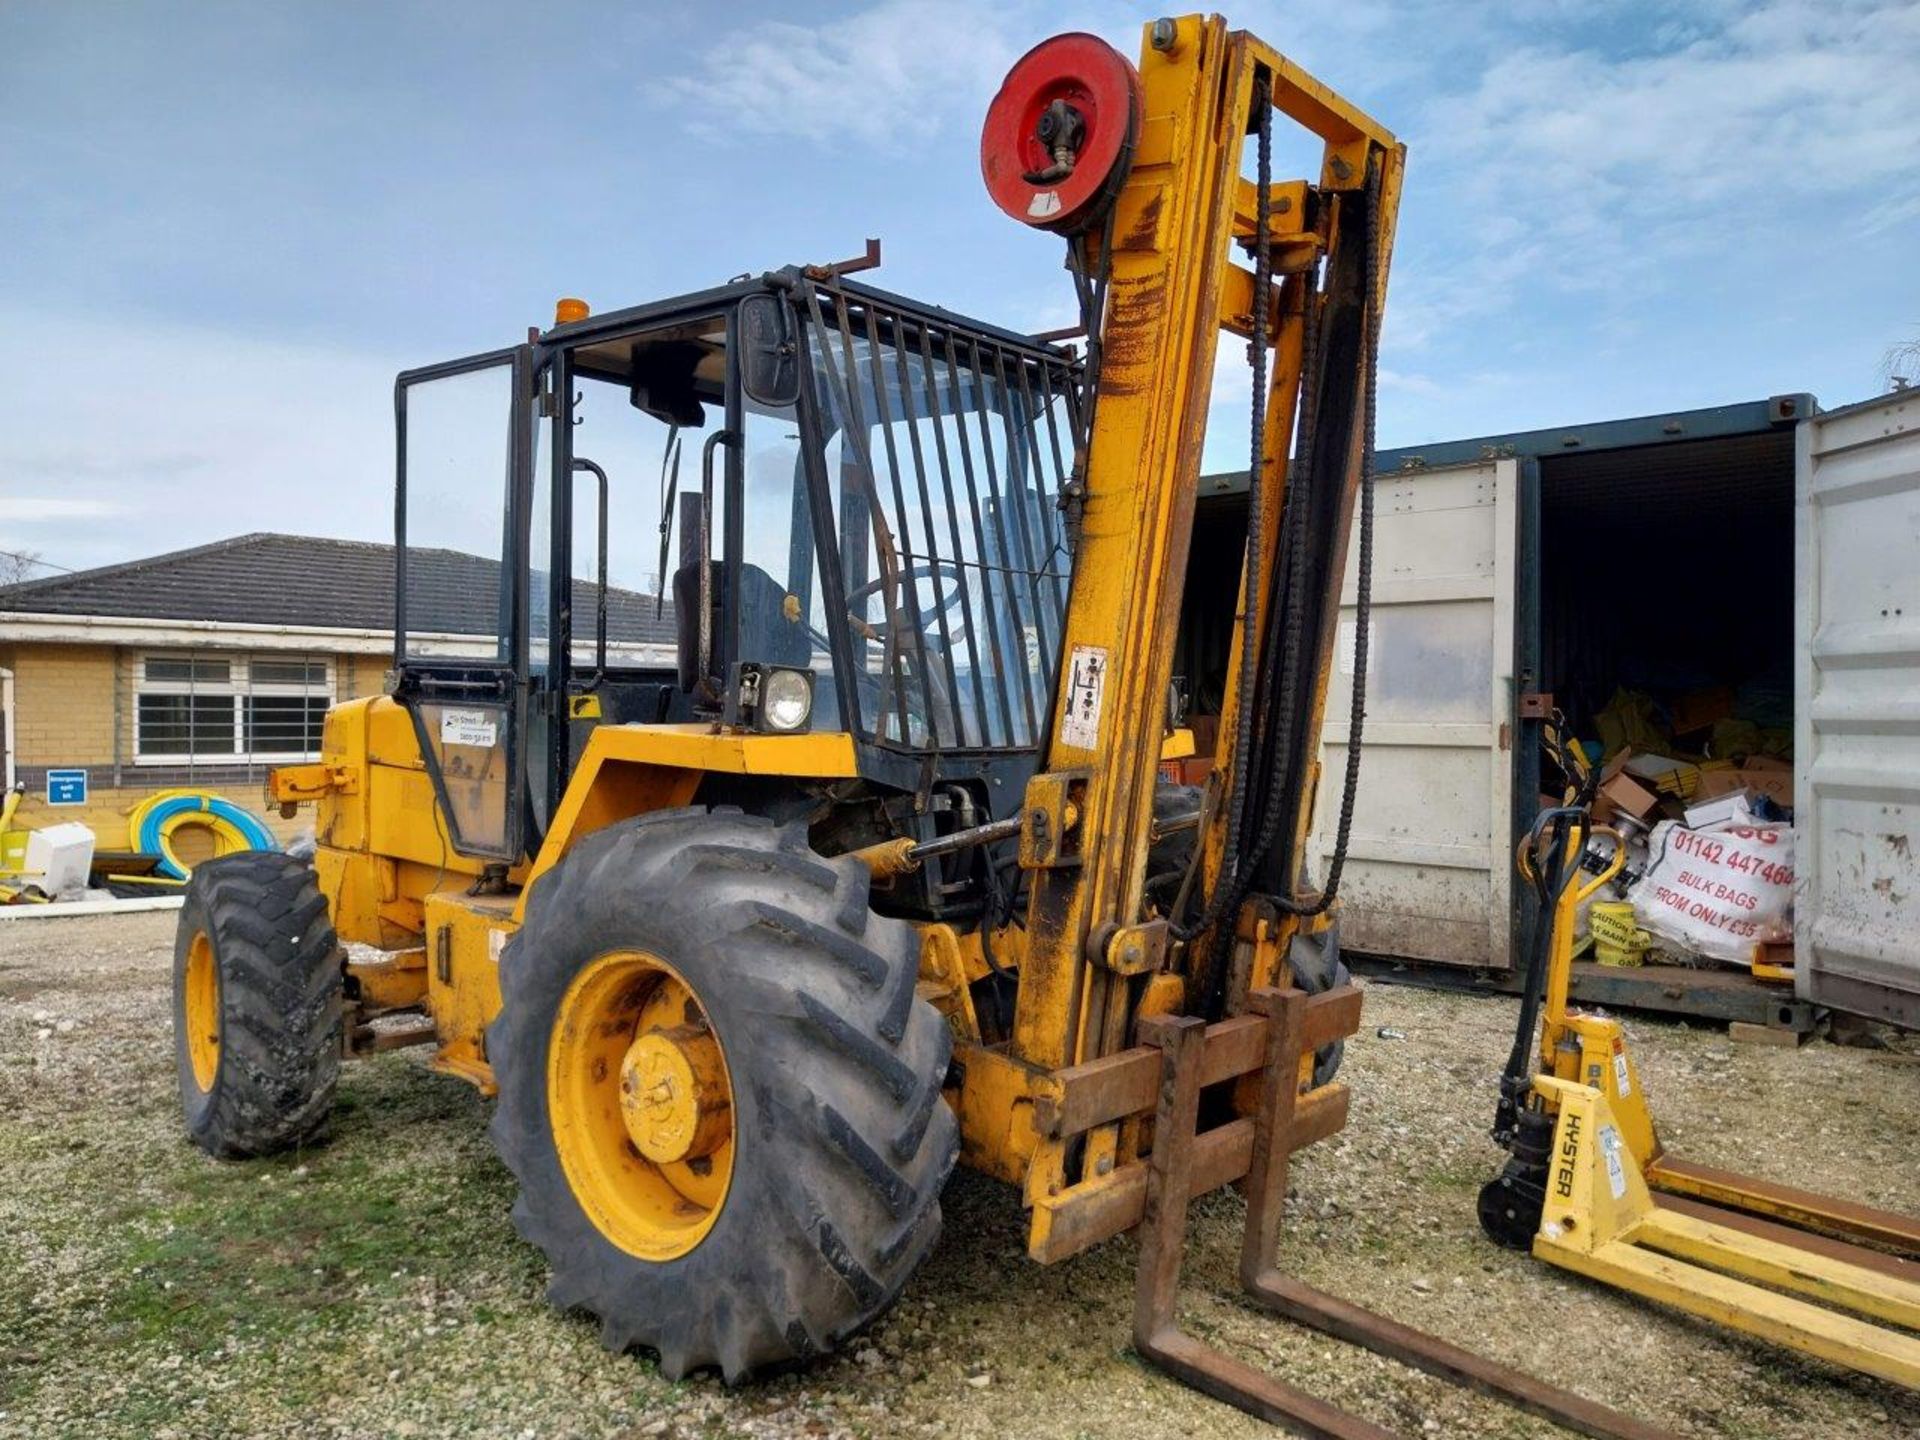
[
  {"x": 944, "y": 454},
  {"x": 902, "y": 519}
]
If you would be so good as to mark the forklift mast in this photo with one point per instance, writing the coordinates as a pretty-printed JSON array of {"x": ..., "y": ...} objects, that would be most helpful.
[{"x": 1171, "y": 243}]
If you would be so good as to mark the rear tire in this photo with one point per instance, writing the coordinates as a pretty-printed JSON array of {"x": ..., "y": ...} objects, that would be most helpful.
[
  {"x": 840, "y": 1140},
  {"x": 257, "y": 1002}
]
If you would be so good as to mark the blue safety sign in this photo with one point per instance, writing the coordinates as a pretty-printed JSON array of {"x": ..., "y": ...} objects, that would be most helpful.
[{"x": 66, "y": 787}]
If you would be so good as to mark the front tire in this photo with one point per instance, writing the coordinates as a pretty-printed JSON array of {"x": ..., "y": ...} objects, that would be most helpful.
[
  {"x": 718, "y": 953},
  {"x": 1315, "y": 963},
  {"x": 257, "y": 1005}
]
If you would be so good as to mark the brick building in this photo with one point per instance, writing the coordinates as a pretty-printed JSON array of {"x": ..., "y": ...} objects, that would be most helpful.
[{"x": 205, "y": 668}]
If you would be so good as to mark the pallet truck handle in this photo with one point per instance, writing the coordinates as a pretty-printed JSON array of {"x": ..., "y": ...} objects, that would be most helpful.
[{"x": 1615, "y": 863}]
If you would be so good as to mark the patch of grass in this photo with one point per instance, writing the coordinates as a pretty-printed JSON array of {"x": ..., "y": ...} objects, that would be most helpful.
[
  {"x": 290, "y": 1242},
  {"x": 158, "y": 1249},
  {"x": 1465, "y": 1173},
  {"x": 263, "y": 1252}
]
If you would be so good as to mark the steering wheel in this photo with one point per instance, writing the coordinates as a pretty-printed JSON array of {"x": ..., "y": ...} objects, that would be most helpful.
[
  {"x": 943, "y": 602},
  {"x": 872, "y": 691}
]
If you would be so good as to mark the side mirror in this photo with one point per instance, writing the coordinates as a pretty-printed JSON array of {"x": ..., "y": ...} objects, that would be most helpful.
[{"x": 769, "y": 358}]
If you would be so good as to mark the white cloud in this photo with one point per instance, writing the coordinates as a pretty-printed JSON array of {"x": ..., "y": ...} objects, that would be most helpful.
[
  {"x": 198, "y": 435},
  {"x": 1791, "y": 98},
  {"x": 48, "y": 509},
  {"x": 1785, "y": 125},
  {"x": 1232, "y": 373},
  {"x": 1892, "y": 213},
  {"x": 882, "y": 76},
  {"x": 1409, "y": 384}
]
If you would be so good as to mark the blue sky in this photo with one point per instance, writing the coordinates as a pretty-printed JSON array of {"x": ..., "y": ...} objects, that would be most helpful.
[{"x": 227, "y": 225}]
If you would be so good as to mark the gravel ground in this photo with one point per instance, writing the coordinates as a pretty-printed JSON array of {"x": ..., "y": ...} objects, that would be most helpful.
[{"x": 374, "y": 1286}]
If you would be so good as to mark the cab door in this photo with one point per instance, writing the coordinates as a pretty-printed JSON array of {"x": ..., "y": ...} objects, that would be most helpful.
[{"x": 466, "y": 435}]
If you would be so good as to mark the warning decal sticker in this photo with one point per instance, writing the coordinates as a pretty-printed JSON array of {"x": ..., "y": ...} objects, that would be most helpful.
[
  {"x": 1086, "y": 686},
  {"x": 468, "y": 727},
  {"x": 1616, "y": 1172}
]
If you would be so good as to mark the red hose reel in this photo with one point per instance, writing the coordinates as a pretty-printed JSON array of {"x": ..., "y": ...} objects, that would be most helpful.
[{"x": 1060, "y": 135}]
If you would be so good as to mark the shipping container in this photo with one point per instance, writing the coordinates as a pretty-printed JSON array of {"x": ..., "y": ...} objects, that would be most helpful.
[{"x": 1759, "y": 559}]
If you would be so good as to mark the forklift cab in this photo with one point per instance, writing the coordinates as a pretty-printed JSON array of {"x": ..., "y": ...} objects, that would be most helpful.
[{"x": 789, "y": 504}]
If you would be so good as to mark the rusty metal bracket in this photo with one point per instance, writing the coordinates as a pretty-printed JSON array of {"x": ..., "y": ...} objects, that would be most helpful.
[
  {"x": 1050, "y": 819},
  {"x": 868, "y": 259},
  {"x": 292, "y": 784},
  {"x": 1129, "y": 949},
  {"x": 1296, "y": 1025},
  {"x": 1070, "y": 1216}
]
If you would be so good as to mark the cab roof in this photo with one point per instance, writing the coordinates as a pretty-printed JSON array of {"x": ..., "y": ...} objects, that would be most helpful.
[{"x": 783, "y": 282}]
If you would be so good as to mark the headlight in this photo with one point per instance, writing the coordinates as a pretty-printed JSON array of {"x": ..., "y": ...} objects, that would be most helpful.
[{"x": 786, "y": 699}]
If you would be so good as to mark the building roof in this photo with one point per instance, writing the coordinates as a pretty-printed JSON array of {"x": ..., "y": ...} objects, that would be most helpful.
[{"x": 309, "y": 580}]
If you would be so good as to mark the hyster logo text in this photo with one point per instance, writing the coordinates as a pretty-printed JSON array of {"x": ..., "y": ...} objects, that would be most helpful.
[{"x": 1569, "y": 1158}]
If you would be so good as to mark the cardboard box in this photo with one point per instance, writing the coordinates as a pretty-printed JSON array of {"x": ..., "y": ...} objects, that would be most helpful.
[
  {"x": 1733, "y": 809},
  {"x": 1624, "y": 795},
  {"x": 1603, "y": 810},
  {"x": 1715, "y": 783},
  {"x": 1665, "y": 774},
  {"x": 1762, "y": 775},
  {"x": 1697, "y": 709}
]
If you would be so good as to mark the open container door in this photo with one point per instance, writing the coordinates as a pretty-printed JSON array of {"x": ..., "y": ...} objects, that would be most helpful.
[
  {"x": 1428, "y": 863},
  {"x": 1857, "y": 710}
]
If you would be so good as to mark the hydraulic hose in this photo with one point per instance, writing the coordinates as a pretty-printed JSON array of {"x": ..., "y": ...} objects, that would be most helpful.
[
  {"x": 1549, "y": 869},
  {"x": 1552, "y": 864}
]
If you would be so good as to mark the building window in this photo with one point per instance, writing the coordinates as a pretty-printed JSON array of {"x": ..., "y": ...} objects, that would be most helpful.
[{"x": 226, "y": 709}]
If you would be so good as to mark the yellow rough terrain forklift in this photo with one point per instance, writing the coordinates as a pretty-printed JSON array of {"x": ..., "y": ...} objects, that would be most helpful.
[{"x": 879, "y": 873}]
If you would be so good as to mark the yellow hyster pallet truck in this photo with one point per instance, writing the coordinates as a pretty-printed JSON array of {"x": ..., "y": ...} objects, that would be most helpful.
[{"x": 1820, "y": 1274}]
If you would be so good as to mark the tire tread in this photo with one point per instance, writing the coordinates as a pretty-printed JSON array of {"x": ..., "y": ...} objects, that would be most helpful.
[
  {"x": 281, "y": 1000},
  {"x": 844, "y": 1075}
]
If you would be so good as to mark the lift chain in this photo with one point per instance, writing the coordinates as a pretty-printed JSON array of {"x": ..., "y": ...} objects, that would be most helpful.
[
  {"x": 1240, "y": 864},
  {"x": 1257, "y": 483},
  {"x": 1363, "y": 581},
  {"x": 1274, "y": 812}
]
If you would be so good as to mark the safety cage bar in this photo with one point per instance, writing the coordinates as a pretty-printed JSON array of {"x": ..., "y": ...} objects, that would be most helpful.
[{"x": 956, "y": 448}]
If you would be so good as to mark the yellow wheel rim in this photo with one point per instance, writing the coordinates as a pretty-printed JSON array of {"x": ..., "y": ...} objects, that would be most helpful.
[
  {"x": 202, "y": 1017},
  {"x": 640, "y": 1105}
]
